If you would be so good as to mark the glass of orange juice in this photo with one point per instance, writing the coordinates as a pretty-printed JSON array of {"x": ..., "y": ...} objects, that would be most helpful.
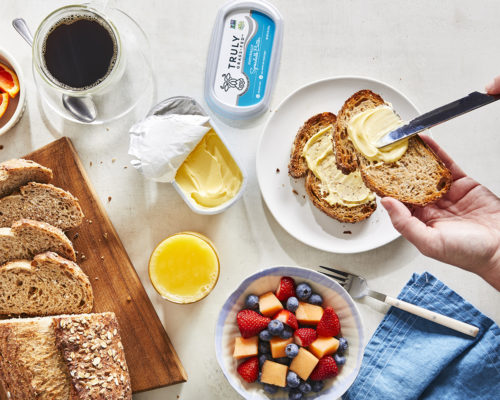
[{"x": 184, "y": 267}]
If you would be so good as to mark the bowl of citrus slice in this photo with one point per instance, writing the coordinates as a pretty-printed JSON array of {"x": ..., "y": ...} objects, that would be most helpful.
[{"x": 12, "y": 92}]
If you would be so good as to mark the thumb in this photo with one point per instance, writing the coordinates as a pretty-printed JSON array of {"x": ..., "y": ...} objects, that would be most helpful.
[{"x": 409, "y": 226}]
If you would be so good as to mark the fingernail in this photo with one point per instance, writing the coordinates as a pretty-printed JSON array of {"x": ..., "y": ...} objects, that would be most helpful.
[{"x": 489, "y": 87}]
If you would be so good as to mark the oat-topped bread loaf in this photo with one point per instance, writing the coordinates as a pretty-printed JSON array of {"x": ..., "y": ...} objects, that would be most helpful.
[
  {"x": 312, "y": 156},
  {"x": 18, "y": 172},
  {"x": 73, "y": 357},
  {"x": 47, "y": 285},
  {"x": 417, "y": 178},
  {"x": 27, "y": 238},
  {"x": 41, "y": 202}
]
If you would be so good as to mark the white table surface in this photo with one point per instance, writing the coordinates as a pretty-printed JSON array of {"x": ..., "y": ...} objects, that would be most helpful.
[{"x": 434, "y": 52}]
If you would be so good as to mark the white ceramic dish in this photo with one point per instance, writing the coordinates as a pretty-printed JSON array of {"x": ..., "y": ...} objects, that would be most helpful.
[
  {"x": 17, "y": 105},
  {"x": 286, "y": 198},
  {"x": 267, "y": 280}
]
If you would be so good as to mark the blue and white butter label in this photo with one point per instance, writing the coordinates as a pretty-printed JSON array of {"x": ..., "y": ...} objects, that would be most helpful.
[{"x": 244, "y": 57}]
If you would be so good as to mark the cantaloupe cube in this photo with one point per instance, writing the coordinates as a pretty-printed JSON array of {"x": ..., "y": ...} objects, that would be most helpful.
[
  {"x": 308, "y": 314},
  {"x": 269, "y": 304},
  {"x": 324, "y": 346},
  {"x": 304, "y": 363},
  {"x": 274, "y": 373},
  {"x": 246, "y": 347},
  {"x": 278, "y": 346}
]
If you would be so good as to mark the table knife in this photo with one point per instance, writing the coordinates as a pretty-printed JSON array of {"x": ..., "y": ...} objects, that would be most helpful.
[{"x": 438, "y": 116}]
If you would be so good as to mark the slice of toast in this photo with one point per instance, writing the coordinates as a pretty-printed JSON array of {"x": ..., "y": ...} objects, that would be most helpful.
[
  {"x": 27, "y": 238},
  {"x": 41, "y": 202},
  {"x": 18, "y": 172},
  {"x": 418, "y": 178},
  {"x": 298, "y": 168},
  {"x": 48, "y": 285}
]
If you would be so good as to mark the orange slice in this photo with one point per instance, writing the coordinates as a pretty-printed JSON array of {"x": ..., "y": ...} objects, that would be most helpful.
[
  {"x": 4, "y": 97},
  {"x": 8, "y": 81}
]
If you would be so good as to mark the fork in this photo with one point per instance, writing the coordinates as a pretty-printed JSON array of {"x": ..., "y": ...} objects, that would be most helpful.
[{"x": 357, "y": 287}]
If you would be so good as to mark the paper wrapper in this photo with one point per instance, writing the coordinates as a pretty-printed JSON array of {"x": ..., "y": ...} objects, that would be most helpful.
[
  {"x": 267, "y": 280},
  {"x": 161, "y": 143}
]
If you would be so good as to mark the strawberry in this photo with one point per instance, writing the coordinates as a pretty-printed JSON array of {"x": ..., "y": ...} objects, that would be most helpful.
[
  {"x": 326, "y": 368},
  {"x": 251, "y": 323},
  {"x": 329, "y": 324},
  {"x": 249, "y": 369},
  {"x": 286, "y": 289},
  {"x": 288, "y": 318},
  {"x": 305, "y": 336}
]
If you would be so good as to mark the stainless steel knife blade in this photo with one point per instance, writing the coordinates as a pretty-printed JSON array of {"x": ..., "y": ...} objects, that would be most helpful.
[{"x": 438, "y": 116}]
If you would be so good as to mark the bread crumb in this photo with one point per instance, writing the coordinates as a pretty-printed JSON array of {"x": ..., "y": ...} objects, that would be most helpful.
[
  {"x": 109, "y": 199},
  {"x": 83, "y": 256},
  {"x": 90, "y": 163},
  {"x": 100, "y": 162},
  {"x": 295, "y": 192},
  {"x": 96, "y": 278},
  {"x": 113, "y": 160},
  {"x": 125, "y": 167},
  {"x": 105, "y": 234},
  {"x": 129, "y": 299},
  {"x": 347, "y": 232},
  {"x": 107, "y": 129},
  {"x": 303, "y": 196},
  {"x": 76, "y": 236},
  {"x": 89, "y": 221},
  {"x": 1, "y": 146},
  {"x": 277, "y": 170},
  {"x": 102, "y": 257}
]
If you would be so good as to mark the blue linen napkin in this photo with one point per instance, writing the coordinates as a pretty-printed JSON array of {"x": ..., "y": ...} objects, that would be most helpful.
[{"x": 409, "y": 357}]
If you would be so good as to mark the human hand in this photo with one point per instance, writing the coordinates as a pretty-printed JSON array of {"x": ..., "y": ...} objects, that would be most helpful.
[
  {"x": 462, "y": 228},
  {"x": 494, "y": 87}
]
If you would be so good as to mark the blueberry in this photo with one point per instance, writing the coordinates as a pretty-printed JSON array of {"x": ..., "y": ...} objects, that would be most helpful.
[
  {"x": 340, "y": 360},
  {"x": 292, "y": 304},
  {"x": 295, "y": 394},
  {"x": 265, "y": 335},
  {"x": 305, "y": 387},
  {"x": 317, "y": 386},
  {"x": 292, "y": 379},
  {"x": 270, "y": 388},
  {"x": 287, "y": 333},
  {"x": 263, "y": 358},
  {"x": 342, "y": 345},
  {"x": 315, "y": 299},
  {"x": 283, "y": 360},
  {"x": 303, "y": 291},
  {"x": 264, "y": 347},
  {"x": 275, "y": 327},
  {"x": 252, "y": 302},
  {"x": 291, "y": 350}
]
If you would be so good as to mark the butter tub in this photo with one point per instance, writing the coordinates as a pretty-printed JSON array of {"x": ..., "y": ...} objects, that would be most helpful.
[{"x": 188, "y": 106}]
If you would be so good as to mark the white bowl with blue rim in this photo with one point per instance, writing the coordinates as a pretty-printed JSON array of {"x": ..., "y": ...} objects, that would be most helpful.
[{"x": 267, "y": 280}]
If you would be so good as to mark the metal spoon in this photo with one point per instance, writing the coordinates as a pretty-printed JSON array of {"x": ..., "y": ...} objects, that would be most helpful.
[{"x": 82, "y": 108}]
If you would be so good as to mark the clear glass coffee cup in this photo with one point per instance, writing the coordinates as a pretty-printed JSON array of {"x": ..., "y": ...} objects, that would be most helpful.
[{"x": 116, "y": 89}]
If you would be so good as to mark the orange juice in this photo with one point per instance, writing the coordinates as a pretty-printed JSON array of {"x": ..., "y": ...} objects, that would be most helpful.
[{"x": 184, "y": 267}]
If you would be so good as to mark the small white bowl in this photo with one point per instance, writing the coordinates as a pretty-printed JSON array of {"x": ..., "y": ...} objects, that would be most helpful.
[
  {"x": 17, "y": 105},
  {"x": 267, "y": 280}
]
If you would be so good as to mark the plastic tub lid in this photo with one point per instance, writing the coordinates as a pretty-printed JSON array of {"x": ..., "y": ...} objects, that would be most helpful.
[{"x": 243, "y": 58}]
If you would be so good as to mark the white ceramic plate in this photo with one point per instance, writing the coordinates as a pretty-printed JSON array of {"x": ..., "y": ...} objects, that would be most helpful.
[{"x": 293, "y": 210}]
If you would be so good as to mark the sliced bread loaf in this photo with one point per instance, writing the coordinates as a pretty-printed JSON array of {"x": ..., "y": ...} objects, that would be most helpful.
[
  {"x": 298, "y": 168},
  {"x": 418, "y": 178},
  {"x": 64, "y": 357},
  {"x": 18, "y": 172},
  {"x": 48, "y": 285},
  {"x": 27, "y": 238},
  {"x": 41, "y": 202}
]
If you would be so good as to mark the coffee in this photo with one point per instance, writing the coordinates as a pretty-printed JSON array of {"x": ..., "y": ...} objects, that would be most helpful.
[{"x": 80, "y": 51}]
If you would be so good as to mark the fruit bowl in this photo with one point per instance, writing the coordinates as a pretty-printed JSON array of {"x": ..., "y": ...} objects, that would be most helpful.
[
  {"x": 16, "y": 105},
  {"x": 268, "y": 280}
]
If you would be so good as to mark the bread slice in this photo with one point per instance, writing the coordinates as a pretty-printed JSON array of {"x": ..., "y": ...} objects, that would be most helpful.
[
  {"x": 418, "y": 178},
  {"x": 64, "y": 357},
  {"x": 26, "y": 238},
  {"x": 48, "y": 285},
  {"x": 298, "y": 168},
  {"x": 18, "y": 172},
  {"x": 41, "y": 202}
]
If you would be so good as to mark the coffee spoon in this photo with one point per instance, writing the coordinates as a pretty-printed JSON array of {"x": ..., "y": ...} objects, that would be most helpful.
[{"x": 82, "y": 108}]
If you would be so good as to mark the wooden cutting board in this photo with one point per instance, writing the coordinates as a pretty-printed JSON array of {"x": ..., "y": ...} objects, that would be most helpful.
[{"x": 151, "y": 358}]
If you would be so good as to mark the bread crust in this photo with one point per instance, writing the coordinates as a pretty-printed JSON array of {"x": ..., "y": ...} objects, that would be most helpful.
[
  {"x": 418, "y": 178},
  {"x": 298, "y": 168},
  {"x": 18, "y": 172}
]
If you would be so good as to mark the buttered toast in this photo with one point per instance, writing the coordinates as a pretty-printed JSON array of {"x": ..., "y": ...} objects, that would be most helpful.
[
  {"x": 418, "y": 178},
  {"x": 298, "y": 168}
]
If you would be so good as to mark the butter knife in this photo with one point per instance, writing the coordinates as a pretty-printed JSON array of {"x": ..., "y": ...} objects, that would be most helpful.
[{"x": 438, "y": 116}]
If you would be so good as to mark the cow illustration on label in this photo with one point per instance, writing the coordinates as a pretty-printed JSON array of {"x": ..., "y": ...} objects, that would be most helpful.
[{"x": 230, "y": 82}]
